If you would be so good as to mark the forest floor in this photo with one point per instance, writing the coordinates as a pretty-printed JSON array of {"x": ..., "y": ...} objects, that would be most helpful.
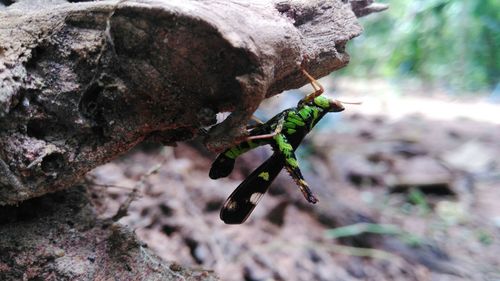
[{"x": 408, "y": 187}]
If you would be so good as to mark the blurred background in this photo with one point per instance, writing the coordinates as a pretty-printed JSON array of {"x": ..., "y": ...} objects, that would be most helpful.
[{"x": 408, "y": 181}]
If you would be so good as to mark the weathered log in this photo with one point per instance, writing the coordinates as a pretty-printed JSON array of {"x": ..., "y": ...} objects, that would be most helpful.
[{"x": 82, "y": 83}]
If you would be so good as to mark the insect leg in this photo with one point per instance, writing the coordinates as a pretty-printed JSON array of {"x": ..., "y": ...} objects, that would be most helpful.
[
  {"x": 258, "y": 122},
  {"x": 293, "y": 169},
  {"x": 292, "y": 166},
  {"x": 277, "y": 130},
  {"x": 318, "y": 88}
]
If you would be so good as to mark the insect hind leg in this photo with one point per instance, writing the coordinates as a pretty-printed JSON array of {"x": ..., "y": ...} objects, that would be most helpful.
[
  {"x": 294, "y": 171},
  {"x": 291, "y": 164}
]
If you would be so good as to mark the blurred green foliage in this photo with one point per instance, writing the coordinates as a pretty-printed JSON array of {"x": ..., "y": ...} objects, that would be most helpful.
[{"x": 450, "y": 43}]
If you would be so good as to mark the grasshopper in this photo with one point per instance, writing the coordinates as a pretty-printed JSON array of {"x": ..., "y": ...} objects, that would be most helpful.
[{"x": 284, "y": 132}]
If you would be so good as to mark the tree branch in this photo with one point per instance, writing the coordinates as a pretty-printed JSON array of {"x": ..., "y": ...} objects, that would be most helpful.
[{"x": 84, "y": 82}]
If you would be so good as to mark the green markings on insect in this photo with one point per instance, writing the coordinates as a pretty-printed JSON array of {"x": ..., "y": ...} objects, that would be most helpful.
[
  {"x": 233, "y": 153},
  {"x": 322, "y": 102},
  {"x": 305, "y": 112},
  {"x": 292, "y": 162},
  {"x": 236, "y": 151},
  {"x": 294, "y": 121},
  {"x": 284, "y": 132},
  {"x": 264, "y": 176},
  {"x": 284, "y": 147}
]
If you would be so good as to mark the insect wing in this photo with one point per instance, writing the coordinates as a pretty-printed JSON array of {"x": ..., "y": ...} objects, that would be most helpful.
[
  {"x": 247, "y": 195},
  {"x": 221, "y": 167}
]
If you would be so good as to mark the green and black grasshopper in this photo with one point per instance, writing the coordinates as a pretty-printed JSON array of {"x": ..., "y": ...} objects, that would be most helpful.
[{"x": 284, "y": 132}]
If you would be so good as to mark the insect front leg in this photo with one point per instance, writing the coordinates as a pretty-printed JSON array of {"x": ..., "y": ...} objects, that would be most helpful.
[
  {"x": 258, "y": 123},
  {"x": 318, "y": 89}
]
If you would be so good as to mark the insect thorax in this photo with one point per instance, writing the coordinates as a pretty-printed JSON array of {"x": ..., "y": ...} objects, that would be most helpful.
[{"x": 302, "y": 119}]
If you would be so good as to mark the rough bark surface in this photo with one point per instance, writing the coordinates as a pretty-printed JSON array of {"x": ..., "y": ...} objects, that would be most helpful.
[
  {"x": 84, "y": 82},
  {"x": 58, "y": 237}
]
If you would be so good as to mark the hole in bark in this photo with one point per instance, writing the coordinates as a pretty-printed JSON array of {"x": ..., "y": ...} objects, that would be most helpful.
[
  {"x": 91, "y": 106},
  {"x": 52, "y": 162},
  {"x": 46, "y": 128},
  {"x": 35, "y": 129},
  {"x": 89, "y": 102},
  {"x": 36, "y": 54}
]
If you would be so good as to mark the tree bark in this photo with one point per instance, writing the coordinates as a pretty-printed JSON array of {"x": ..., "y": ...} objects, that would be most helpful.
[{"x": 84, "y": 82}]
